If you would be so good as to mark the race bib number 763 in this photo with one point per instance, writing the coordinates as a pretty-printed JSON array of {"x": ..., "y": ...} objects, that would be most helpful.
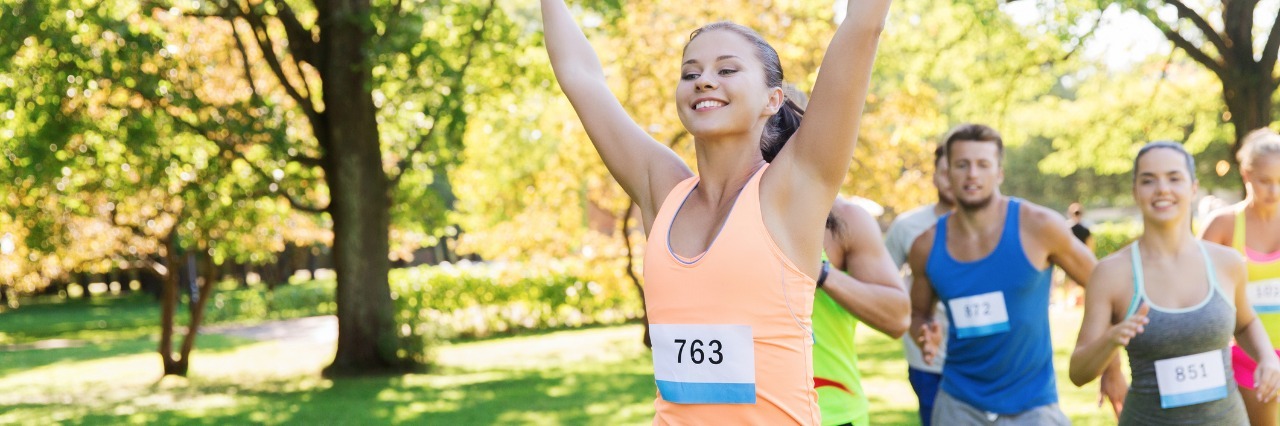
[{"x": 704, "y": 363}]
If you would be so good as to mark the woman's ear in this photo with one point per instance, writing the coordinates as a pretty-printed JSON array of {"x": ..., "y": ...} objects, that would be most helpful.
[{"x": 776, "y": 99}]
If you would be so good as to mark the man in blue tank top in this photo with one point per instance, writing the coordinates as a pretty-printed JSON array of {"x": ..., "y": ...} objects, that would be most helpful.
[{"x": 989, "y": 261}]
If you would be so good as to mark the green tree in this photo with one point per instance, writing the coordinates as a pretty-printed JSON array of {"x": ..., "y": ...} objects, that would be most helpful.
[{"x": 1233, "y": 46}]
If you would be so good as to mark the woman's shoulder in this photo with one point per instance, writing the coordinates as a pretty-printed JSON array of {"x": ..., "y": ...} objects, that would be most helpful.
[
  {"x": 1223, "y": 256},
  {"x": 1115, "y": 267},
  {"x": 1220, "y": 224}
]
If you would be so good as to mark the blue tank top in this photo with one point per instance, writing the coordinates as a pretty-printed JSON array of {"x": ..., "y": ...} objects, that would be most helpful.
[{"x": 1001, "y": 367}]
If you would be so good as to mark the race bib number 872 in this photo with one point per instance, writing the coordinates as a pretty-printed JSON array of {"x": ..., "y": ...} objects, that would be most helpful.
[
  {"x": 704, "y": 363},
  {"x": 980, "y": 315}
]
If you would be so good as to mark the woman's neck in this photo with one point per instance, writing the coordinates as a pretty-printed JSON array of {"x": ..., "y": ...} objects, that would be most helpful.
[
  {"x": 725, "y": 165},
  {"x": 1165, "y": 239},
  {"x": 1263, "y": 212}
]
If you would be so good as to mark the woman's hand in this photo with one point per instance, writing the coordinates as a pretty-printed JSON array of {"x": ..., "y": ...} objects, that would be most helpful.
[
  {"x": 1120, "y": 334},
  {"x": 1267, "y": 378}
]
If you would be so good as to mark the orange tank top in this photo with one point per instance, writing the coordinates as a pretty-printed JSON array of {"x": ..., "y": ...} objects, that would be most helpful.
[{"x": 731, "y": 330}]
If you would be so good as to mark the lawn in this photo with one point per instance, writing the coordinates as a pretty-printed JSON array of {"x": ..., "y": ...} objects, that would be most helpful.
[{"x": 587, "y": 376}]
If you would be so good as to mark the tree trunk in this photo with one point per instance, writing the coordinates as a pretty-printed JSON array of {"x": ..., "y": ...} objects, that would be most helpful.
[
  {"x": 1248, "y": 98},
  {"x": 631, "y": 271},
  {"x": 169, "y": 304},
  {"x": 196, "y": 309},
  {"x": 360, "y": 198}
]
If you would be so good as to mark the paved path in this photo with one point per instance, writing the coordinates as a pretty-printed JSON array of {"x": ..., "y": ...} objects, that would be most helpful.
[
  {"x": 314, "y": 329},
  {"x": 320, "y": 329}
]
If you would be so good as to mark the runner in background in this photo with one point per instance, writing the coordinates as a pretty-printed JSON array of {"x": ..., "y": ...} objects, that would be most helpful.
[
  {"x": 858, "y": 283},
  {"x": 904, "y": 230},
  {"x": 1252, "y": 227},
  {"x": 989, "y": 261}
]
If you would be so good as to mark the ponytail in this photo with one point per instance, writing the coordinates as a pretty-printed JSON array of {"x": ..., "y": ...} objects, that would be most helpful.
[{"x": 779, "y": 128}]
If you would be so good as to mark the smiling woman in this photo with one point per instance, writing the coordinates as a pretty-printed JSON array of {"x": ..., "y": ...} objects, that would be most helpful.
[
  {"x": 728, "y": 346},
  {"x": 1174, "y": 304}
]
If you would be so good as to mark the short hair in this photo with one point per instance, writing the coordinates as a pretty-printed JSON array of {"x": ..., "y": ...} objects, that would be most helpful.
[
  {"x": 1165, "y": 144},
  {"x": 973, "y": 132},
  {"x": 1257, "y": 143},
  {"x": 939, "y": 153}
]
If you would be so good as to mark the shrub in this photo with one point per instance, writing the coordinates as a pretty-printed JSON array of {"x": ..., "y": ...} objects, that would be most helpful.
[{"x": 1111, "y": 236}]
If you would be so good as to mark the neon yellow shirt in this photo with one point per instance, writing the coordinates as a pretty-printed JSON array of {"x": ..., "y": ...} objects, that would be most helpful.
[
  {"x": 835, "y": 364},
  {"x": 1264, "y": 277}
]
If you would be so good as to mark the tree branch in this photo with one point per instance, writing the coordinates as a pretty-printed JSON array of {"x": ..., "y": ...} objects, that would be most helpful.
[
  {"x": 244, "y": 58},
  {"x": 302, "y": 45},
  {"x": 1096, "y": 24},
  {"x": 1269, "y": 52},
  {"x": 224, "y": 147},
  {"x": 1209, "y": 33},
  {"x": 1178, "y": 40},
  {"x": 456, "y": 87},
  {"x": 266, "y": 45},
  {"x": 306, "y": 160},
  {"x": 294, "y": 202}
]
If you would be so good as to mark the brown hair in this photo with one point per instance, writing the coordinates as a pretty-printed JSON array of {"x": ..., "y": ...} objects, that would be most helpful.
[{"x": 976, "y": 133}]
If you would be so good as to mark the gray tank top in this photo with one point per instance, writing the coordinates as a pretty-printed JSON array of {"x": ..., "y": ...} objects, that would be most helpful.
[{"x": 1169, "y": 343}]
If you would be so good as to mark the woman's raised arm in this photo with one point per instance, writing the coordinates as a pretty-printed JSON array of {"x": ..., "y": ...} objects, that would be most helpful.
[{"x": 646, "y": 169}]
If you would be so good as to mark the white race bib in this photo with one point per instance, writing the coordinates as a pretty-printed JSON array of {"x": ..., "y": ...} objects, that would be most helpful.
[
  {"x": 1264, "y": 295},
  {"x": 1191, "y": 379},
  {"x": 981, "y": 315},
  {"x": 704, "y": 363}
]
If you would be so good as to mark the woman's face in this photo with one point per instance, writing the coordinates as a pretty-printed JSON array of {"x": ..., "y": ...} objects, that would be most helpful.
[
  {"x": 1262, "y": 179},
  {"x": 722, "y": 86},
  {"x": 1163, "y": 189}
]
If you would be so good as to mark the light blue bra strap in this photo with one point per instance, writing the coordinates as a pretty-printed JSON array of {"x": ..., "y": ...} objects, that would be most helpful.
[
  {"x": 1213, "y": 275},
  {"x": 1138, "y": 286}
]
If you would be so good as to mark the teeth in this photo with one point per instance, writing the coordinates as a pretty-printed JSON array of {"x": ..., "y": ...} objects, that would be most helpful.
[
  {"x": 1161, "y": 204},
  {"x": 708, "y": 104}
]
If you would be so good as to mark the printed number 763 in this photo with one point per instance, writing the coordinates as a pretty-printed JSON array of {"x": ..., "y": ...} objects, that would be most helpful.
[{"x": 697, "y": 353}]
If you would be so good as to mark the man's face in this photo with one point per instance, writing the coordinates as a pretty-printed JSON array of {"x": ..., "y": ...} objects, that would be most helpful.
[{"x": 975, "y": 172}]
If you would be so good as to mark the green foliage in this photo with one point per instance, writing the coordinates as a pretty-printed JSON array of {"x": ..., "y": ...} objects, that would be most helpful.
[
  {"x": 1111, "y": 236},
  {"x": 285, "y": 301},
  {"x": 476, "y": 300}
]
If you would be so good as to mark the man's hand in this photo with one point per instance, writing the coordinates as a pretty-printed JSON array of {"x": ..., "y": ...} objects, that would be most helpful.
[
  {"x": 1113, "y": 387},
  {"x": 929, "y": 337}
]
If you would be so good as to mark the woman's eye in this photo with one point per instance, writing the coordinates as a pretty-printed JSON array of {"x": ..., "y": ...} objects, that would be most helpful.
[
  {"x": 727, "y": 71},
  {"x": 689, "y": 76}
]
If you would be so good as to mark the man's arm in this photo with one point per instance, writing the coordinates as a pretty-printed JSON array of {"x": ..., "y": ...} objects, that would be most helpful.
[
  {"x": 1060, "y": 244},
  {"x": 924, "y": 331},
  {"x": 871, "y": 289}
]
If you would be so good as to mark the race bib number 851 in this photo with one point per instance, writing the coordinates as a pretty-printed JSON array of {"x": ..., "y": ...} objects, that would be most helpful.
[
  {"x": 1191, "y": 379},
  {"x": 704, "y": 363}
]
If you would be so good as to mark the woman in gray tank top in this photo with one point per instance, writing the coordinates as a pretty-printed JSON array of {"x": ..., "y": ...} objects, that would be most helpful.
[{"x": 1174, "y": 303}]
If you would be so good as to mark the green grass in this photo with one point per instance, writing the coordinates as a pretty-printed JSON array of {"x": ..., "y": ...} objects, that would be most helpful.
[{"x": 598, "y": 375}]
